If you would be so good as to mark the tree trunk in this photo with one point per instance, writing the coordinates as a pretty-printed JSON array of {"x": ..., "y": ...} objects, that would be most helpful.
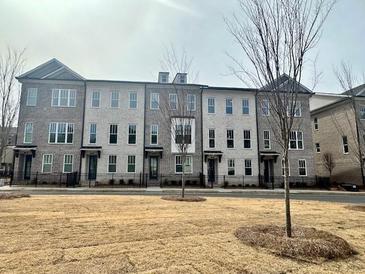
[
  {"x": 183, "y": 183},
  {"x": 287, "y": 195}
]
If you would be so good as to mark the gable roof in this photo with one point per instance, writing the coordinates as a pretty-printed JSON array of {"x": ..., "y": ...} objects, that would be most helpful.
[
  {"x": 284, "y": 83},
  {"x": 356, "y": 91},
  {"x": 52, "y": 70}
]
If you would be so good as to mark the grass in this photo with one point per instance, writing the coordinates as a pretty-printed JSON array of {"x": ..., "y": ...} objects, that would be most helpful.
[
  {"x": 8, "y": 196},
  {"x": 129, "y": 234},
  {"x": 185, "y": 199}
]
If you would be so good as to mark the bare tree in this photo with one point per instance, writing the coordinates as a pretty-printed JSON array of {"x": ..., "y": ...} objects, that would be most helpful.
[
  {"x": 276, "y": 36},
  {"x": 328, "y": 162},
  {"x": 11, "y": 64}
]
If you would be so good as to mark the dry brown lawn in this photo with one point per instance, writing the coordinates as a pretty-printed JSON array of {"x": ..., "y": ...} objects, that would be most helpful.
[{"x": 122, "y": 234}]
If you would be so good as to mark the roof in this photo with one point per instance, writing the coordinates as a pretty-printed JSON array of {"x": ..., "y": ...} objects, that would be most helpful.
[
  {"x": 331, "y": 105},
  {"x": 283, "y": 83},
  {"x": 52, "y": 70},
  {"x": 232, "y": 88},
  {"x": 356, "y": 91}
]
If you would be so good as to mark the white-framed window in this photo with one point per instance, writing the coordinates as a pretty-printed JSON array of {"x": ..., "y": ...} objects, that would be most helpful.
[
  {"x": 63, "y": 98},
  {"x": 68, "y": 163},
  {"x": 188, "y": 164},
  {"x": 112, "y": 163},
  {"x": 173, "y": 101},
  {"x": 245, "y": 106},
  {"x": 113, "y": 134},
  {"x": 230, "y": 138},
  {"x": 362, "y": 112},
  {"x": 132, "y": 134},
  {"x": 155, "y": 101},
  {"x": 132, "y": 100},
  {"x": 229, "y": 106},
  {"x": 283, "y": 169},
  {"x": 345, "y": 145},
  {"x": 28, "y": 133},
  {"x": 318, "y": 148},
  {"x": 211, "y": 105},
  {"x": 296, "y": 140},
  {"x": 114, "y": 99},
  {"x": 47, "y": 163},
  {"x": 154, "y": 134},
  {"x": 302, "y": 167},
  {"x": 295, "y": 111},
  {"x": 60, "y": 133},
  {"x": 131, "y": 168},
  {"x": 230, "y": 166},
  {"x": 265, "y": 107},
  {"x": 183, "y": 134},
  {"x": 95, "y": 99},
  {"x": 246, "y": 138},
  {"x": 267, "y": 142},
  {"x": 191, "y": 102},
  {"x": 211, "y": 138},
  {"x": 315, "y": 121},
  {"x": 248, "y": 167},
  {"x": 92, "y": 133},
  {"x": 32, "y": 97}
]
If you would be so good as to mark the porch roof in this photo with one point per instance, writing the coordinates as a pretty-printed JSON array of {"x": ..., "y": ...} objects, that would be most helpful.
[
  {"x": 85, "y": 149},
  {"x": 269, "y": 155},
  {"x": 213, "y": 153},
  {"x": 25, "y": 148}
]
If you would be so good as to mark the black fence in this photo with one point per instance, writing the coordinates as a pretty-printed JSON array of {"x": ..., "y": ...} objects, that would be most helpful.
[
  {"x": 294, "y": 182},
  {"x": 46, "y": 179}
]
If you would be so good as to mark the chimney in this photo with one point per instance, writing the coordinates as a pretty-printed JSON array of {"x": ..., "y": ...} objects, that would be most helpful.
[
  {"x": 163, "y": 77},
  {"x": 181, "y": 78}
]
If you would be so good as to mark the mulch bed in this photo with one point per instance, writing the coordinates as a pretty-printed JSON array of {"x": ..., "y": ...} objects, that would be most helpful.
[
  {"x": 8, "y": 196},
  {"x": 356, "y": 207},
  {"x": 185, "y": 199},
  {"x": 306, "y": 244}
]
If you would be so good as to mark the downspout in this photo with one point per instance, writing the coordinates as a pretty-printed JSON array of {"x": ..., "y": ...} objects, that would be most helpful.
[
  {"x": 258, "y": 137},
  {"x": 82, "y": 129},
  {"x": 144, "y": 135},
  {"x": 358, "y": 140},
  {"x": 201, "y": 134}
]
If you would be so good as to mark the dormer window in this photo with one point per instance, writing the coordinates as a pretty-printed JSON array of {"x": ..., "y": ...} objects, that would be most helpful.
[{"x": 163, "y": 77}]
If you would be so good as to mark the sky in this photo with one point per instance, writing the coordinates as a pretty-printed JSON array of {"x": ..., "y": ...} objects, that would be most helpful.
[{"x": 125, "y": 39}]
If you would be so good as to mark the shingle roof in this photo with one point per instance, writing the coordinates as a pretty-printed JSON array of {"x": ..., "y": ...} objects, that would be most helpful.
[
  {"x": 284, "y": 83},
  {"x": 356, "y": 91}
]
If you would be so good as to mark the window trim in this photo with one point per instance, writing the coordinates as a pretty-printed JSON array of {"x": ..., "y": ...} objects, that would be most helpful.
[
  {"x": 182, "y": 166},
  {"x": 249, "y": 130},
  {"x": 318, "y": 148},
  {"x": 226, "y": 100},
  {"x": 305, "y": 167},
  {"x": 109, "y": 133},
  {"x": 135, "y": 170},
  {"x": 96, "y": 128},
  {"x": 211, "y": 98},
  {"x": 135, "y": 125},
  {"x": 264, "y": 102},
  {"x": 176, "y": 102},
  {"x": 129, "y": 99},
  {"x": 231, "y": 167},
  {"x": 151, "y": 127},
  {"x": 116, "y": 157},
  {"x": 46, "y": 154},
  {"x": 158, "y": 100},
  {"x": 229, "y": 139},
  {"x": 250, "y": 167},
  {"x": 248, "y": 106},
  {"x": 343, "y": 145},
  {"x": 188, "y": 102},
  {"x": 25, "y": 133},
  {"x": 66, "y": 133},
  {"x": 72, "y": 163},
  {"x": 282, "y": 168},
  {"x": 316, "y": 124},
  {"x": 362, "y": 110},
  {"x": 59, "y": 97},
  {"x": 266, "y": 130},
  {"x": 92, "y": 99},
  {"x": 209, "y": 138},
  {"x": 297, "y": 140},
  {"x": 28, "y": 97},
  {"x": 111, "y": 98}
]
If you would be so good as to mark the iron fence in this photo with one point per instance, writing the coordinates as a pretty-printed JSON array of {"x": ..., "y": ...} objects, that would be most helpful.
[{"x": 46, "y": 179}]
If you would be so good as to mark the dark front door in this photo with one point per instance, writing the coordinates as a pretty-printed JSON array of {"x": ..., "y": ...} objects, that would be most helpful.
[
  {"x": 153, "y": 167},
  {"x": 268, "y": 171},
  {"x": 93, "y": 165},
  {"x": 211, "y": 170},
  {"x": 28, "y": 167}
]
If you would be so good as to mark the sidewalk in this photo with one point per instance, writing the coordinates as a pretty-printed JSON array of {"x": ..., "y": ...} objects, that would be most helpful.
[{"x": 169, "y": 190}]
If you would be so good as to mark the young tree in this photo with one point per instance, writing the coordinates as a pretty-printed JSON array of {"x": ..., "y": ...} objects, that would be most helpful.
[
  {"x": 328, "y": 162},
  {"x": 11, "y": 64},
  {"x": 276, "y": 36}
]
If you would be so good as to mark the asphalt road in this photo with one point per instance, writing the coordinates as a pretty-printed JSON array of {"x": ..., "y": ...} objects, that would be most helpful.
[{"x": 325, "y": 197}]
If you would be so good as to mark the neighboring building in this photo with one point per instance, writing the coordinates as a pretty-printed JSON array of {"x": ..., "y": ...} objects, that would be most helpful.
[
  {"x": 8, "y": 153},
  {"x": 301, "y": 162},
  {"x": 230, "y": 136},
  {"x": 339, "y": 128}
]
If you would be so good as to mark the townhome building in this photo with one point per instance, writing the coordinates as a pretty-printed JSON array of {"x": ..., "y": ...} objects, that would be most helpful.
[
  {"x": 338, "y": 126},
  {"x": 301, "y": 161},
  {"x": 230, "y": 153}
]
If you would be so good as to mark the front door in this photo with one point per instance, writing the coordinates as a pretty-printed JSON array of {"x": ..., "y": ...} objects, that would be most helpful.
[
  {"x": 93, "y": 165},
  {"x": 268, "y": 172},
  {"x": 27, "y": 167},
  {"x": 153, "y": 167},
  {"x": 211, "y": 170}
]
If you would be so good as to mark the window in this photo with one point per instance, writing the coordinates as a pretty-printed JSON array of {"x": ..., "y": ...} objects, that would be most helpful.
[
  {"x": 230, "y": 164},
  {"x": 112, "y": 163},
  {"x": 191, "y": 102},
  {"x": 295, "y": 111},
  {"x": 63, "y": 98},
  {"x": 154, "y": 134},
  {"x": 229, "y": 106},
  {"x": 302, "y": 168},
  {"x": 265, "y": 107},
  {"x": 92, "y": 134},
  {"x": 318, "y": 148},
  {"x": 155, "y": 101},
  {"x": 183, "y": 134},
  {"x": 245, "y": 106},
  {"x": 114, "y": 99},
  {"x": 362, "y": 112},
  {"x": 188, "y": 164},
  {"x": 173, "y": 101},
  {"x": 131, "y": 163},
  {"x": 248, "y": 167},
  {"x": 132, "y": 134},
  {"x": 95, "y": 99},
  {"x": 211, "y": 138},
  {"x": 267, "y": 143},
  {"x": 316, "y": 123},
  {"x": 47, "y": 163},
  {"x": 68, "y": 163},
  {"x": 113, "y": 134},
  {"x": 230, "y": 138},
  {"x": 132, "y": 100},
  {"x": 28, "y": 133},
  {"x": 247, "y": 139},
  {"x": 32, "y": 97},
  {"x": 345, "y": 145},
  {"x": 282, "y": 167},
  {"x": 296, "y": 140},
  {"x": 60, "y": 133},
  {"x": 211, "y": 105}
]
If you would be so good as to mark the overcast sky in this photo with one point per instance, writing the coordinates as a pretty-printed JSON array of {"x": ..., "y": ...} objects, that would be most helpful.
[{"x": 124, "y": 39}]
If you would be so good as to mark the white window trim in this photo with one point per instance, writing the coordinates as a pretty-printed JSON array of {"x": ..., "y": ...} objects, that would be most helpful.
[
  {"x": 116, "y": 161},
  {"x": 282, "y": 168},
  {"x": 92, "y": 96},
  {"x": 209, "y": 129},
  {"x": 135, "y": 161},
  {"x": 66, "y": 133},
  {"x": 230, "y": 139},
  {"x": 72, "y": 164},
  {"x": 244, "y": 163},
  {"x": 68, "y": 97},
  {"x": 234, "y": 167},
  {"x": 315, "y": 123},
  {"x": 111, "y": 98},
  {"x": 36, "y": 97},
  {"x": 263, "y": 132},
  {"x": 209, "y": 98},
  {"x": 151, "y": 134},
  {"x": 249, "y": 109},
  {"x": 158, "y": 100},
  {"x": 177, "y": 99},
  {"x": 188, "y": 102},
  {"x": 25, "y": 134},
  {"x": 247, "y": 139},
  {"x": 191, "y": 157},
  {"x": 343, "y": 145},
  {"x": 297, "y": 140},
  {"x": 225, "y": 106},
  {"x": 129, "y": 99},
  {"x": 306, "y": 172},
  {"x": 316, "y": 148},
  {"x": 96, "y": 133},
  {"x": 50, "y": 163},
  {"x": 118, "y": 128},
  {"x": 135, "y": 134},
  {"x": 360, "y": 110},
  {"x": 268, "y": 107}
]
